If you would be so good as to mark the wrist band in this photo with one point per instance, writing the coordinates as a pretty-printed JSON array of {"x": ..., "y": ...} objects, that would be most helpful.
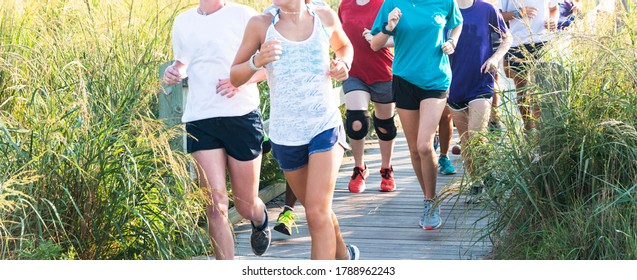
[
  {"x": 387, "y": 32},
  {"x": 344, "y": 62},
  {"x": 251, "y": 63}
]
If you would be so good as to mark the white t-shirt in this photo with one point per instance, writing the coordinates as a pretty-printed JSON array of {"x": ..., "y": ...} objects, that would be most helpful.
[
  {"x": 208, "y": 45},
  {"x": 524, "y": 30}
]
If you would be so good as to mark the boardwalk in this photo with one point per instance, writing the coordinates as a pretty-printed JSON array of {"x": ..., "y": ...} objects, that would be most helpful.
[{"x": 384, "y": 225}]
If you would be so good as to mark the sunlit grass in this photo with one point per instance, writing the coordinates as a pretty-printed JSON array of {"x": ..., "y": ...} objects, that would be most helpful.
[
  {"x": 86, "y": 170},
  {"x": 569, "y": 190}
]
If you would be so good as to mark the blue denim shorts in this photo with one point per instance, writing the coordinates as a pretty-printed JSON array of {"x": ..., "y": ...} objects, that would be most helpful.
[{"x": 291, "y": 158}]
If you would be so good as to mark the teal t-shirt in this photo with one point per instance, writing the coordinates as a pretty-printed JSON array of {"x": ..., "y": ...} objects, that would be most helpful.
[{"x": 418, "y": 38}]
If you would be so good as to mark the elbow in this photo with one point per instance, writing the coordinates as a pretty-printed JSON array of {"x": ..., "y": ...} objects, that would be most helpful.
[
  {"x": 508, "y": 41},
  {"x": 375, "y": 46}
]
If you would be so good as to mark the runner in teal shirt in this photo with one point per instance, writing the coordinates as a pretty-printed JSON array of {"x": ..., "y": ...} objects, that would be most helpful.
[
  {"x": 421, "y": 79},
  {"x": 419, "y": 59}
]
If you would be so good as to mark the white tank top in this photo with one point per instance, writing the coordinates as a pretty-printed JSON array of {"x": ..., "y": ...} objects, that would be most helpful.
[{"x": 302, "y": 103}]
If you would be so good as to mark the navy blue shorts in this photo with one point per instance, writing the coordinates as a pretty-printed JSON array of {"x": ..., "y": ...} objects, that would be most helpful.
[
  {"x": 521, "y": 57},
  {"x": 459, "y": 106},
  {"x": 291, "y": 158},
  {"x": 240, "y": 136},
  {"x": 408, "y": 95},
  {"x": 379, "y": 92}
]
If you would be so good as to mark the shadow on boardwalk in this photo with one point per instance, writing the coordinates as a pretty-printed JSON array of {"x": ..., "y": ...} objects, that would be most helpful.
[{"x": 385, "y": 225}]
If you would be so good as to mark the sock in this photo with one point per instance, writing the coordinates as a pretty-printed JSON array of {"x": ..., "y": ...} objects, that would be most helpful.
[{"x": 265, "y": 222}]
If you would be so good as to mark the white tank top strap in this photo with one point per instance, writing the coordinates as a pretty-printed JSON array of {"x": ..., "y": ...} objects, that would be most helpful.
[{"x": 276, "y": 13}]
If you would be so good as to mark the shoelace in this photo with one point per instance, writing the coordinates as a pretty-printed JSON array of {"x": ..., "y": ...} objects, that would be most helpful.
[
  {"x": 358, "y": 171},
  {"x": 289, "y": 217},
  {"x": 386, "y": 172}
]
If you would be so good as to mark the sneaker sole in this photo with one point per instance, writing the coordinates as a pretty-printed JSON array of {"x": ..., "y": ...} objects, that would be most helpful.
[
  {"x": 282, "y": 229},
  {"x": 359, "y": 191},
  {"x": 387, "y": 190},
  {"x": 430, "y": 227},
  {"x": 269, "y": 237},
  {"x": 357, "y": 253}
]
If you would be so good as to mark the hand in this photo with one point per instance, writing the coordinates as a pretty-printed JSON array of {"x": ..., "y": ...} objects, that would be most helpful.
[
  {"x": 393, "y": 18},
  {"x": 491, "y": 65},
  {"x": 528, "y": 12},
  {"x": 270, "y": 51},
  {"x": 448, "y": 48},
  {"x": 367, "y": 35},
  {"x": 550, "y": 24},
  {"x": 225, "y": 88},
  {"x": 338, "y": 71},
  {"x": 172, "y": 75}
]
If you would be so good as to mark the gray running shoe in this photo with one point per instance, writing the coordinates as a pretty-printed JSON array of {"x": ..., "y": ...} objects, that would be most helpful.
[
  {"x": 261, "y": 237},
  {"x": 431, "y": 217}
]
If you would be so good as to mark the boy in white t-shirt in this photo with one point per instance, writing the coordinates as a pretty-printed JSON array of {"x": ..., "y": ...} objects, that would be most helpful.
[
  {"x": 530, "y": 23},
  {"x": 224, "y": 125}
]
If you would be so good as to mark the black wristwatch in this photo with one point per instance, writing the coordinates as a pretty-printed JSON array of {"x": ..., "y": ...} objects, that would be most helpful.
[{"x": 385, "y": 31}]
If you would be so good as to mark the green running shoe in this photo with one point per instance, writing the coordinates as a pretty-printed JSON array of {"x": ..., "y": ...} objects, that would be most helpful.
[{"x": 285, "y": 222}]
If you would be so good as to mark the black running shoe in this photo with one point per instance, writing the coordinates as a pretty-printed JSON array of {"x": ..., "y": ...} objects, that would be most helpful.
[{"x": 261, "y": 237}]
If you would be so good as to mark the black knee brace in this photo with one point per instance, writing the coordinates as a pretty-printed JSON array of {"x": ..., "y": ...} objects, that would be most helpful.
[
  {"x": 388, "y": 125},
  {"x": 356, "y": 115}
]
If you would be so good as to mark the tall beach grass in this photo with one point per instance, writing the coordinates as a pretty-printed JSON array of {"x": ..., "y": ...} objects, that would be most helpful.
[
  {"x": 569, "y": 189},
  {"x": 86, "y": 171}
]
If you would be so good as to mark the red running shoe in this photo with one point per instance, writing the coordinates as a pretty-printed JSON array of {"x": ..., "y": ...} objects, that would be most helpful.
[
  {"x": 357, "y": 182},
  {"x": 387, "y": 181}
]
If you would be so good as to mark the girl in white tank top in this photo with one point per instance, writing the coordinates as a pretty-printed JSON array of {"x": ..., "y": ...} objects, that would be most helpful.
[
  {"x": 302, "y": 104},
  {"x": 293, "y": 45}
]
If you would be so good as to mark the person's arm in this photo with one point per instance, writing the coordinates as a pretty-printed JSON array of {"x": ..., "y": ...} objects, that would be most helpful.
[
  {"x": 247, "y": 61},
  {"x": 225, "y": 88},
  {"x": 491, "y": 65},
  {"x": 342, "y": 47},
  {"x": 368, "y": 37},
  {"x": 177, "y": 71},
  {"x": 449, "y": 47},
  {"x": 554, "y": 15},
  {"x": 380, "y": 39},
  {"x": 522, "y": 12},
  {"x": 172, "y": 74}
]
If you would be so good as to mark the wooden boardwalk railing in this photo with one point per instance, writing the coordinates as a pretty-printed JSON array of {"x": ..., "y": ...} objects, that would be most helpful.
[{"x": 385, "y": 225}]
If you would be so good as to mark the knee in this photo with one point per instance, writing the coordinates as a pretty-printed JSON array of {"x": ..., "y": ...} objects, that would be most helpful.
[
  {"x": 357, "y": 124},
  {"x": 425, "y": 149},
  {"x": 217, "y": 209},
  {"x": 385, "y": 129},
  {"x": 317, "y": 215},
  {"x": 248, "y": 209},
  {"x": 414, "y": 155}
]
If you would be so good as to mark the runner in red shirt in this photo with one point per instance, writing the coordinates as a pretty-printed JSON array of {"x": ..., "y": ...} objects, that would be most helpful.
[{"x": 370, "y": 80}]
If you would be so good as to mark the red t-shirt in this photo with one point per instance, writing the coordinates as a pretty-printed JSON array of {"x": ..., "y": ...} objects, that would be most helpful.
[{"x": 368, "y": 65}]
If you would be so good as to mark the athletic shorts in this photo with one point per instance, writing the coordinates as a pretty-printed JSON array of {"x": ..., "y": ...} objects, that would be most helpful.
[
  {"x": 379, "y": 92},
  {"x": 240, "y": 136},
  {"x": 408, "y": 95},
  {"x": 291, "y": 158},
  {"x": 520, "y": 57},
  {"x": 459, "y": 106}
]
